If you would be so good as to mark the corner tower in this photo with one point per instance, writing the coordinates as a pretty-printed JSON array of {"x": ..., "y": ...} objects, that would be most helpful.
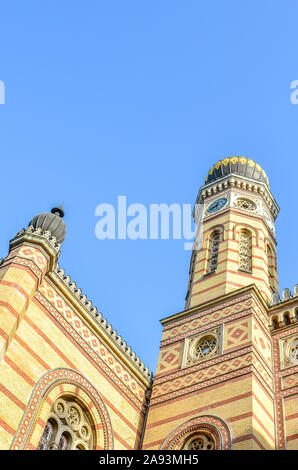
[{"x": 236, "y": 213}]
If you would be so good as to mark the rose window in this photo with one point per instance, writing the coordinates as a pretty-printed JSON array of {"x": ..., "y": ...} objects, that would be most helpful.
[
  {"x": 73, "y": 416},
  {"x": 68, "y": 427},
  {"x": 200, "y": 442}
]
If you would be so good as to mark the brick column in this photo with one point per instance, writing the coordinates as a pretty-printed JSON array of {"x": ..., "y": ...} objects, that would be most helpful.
[{"x": 32, "y": 253}]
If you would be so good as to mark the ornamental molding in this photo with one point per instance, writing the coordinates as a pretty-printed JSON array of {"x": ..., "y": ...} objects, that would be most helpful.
[
  {"x": 217, "y": 427},
  {"x": 51, "y": 249},
  {"x": 44, "y": 239},
  {"x": 50, "y": 380},
  {"x": 288, "y": 347},
  {"x": 99, "y": 324},
  {"x": 243, "y": 293},
  {"x": 244, "y": 185}
]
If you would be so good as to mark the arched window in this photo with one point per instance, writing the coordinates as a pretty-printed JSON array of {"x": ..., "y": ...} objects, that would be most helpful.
[
  {"x": 215, "y": 239},
  {"x": 270, "y": 264},
  {"x": 287, "y": 320},
  {"x": 201, "y": 433},
  {"x": 68, "y": 427},
  {"x": 245, "y": 250},
  {"x": 275, "y": 323},
  {"x": 44, "y": 443}
]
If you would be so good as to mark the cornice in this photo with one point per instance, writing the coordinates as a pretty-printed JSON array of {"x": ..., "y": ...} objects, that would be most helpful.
[
  {"x": 38, "y": 237},
  {"x": 99, "y": 324},
  {"x": 212, "y": 303},
  {"x": 241, "y": 182}
]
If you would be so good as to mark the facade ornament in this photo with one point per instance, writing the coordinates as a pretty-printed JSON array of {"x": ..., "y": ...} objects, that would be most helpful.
[{"x": 286, "y": 294}]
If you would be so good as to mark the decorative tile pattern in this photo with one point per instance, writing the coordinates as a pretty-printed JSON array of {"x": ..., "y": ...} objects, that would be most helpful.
[
  {"x": 73, "y": 324},
  {"x": 280, "y": 394},
  {"x": 290, "y": 381},
  {"x": 201, "y": 375},
  {"x": 206, "y": 317},
  {"x": 168, "y": 359},
  {"x": 30, "y": 253},
  {"x": 236, "y": 334},
  {"x": 262, "y": 343},
  {"x": 58, "y": 377}
]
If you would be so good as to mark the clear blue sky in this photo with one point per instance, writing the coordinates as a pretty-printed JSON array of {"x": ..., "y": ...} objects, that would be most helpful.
[{"x": 108, "y": 98}]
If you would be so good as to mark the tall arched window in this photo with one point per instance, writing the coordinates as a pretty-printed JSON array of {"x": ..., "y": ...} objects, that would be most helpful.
[
  {"x": 270, "y": 264},
  {"x": 215, "y": 239},
  {"x": 245, "y": 250},
  {"x": 68, "y": 427}
]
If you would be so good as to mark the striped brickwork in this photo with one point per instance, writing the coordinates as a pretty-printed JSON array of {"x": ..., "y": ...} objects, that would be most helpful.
[
  {"x": 42, "y": 333},
  {"x": 235, "y": 386},
  {"x": 228, "y": 276}
]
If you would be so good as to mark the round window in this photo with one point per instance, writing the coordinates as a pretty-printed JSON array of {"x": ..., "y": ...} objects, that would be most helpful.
[
  {"x": 205, "y": 347},
  {"x": 200, "y": 442}
]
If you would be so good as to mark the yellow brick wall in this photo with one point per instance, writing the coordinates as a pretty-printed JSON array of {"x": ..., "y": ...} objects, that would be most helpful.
[
  {"x": 45, "y": 338},
  {"x": 235, "y": 385}
]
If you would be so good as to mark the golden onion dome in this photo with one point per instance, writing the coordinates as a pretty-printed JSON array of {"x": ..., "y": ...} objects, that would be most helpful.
[{"x": 241, "y": 166}]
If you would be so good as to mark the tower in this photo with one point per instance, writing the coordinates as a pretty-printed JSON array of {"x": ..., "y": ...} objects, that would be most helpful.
[
  {"x": 227, "y": 370},
  {"x": 218, "y": 383},
  {"x": 238, "y": 236}
]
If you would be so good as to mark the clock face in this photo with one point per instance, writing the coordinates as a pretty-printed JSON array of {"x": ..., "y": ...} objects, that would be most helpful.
[{"x": 217, "y": 205}]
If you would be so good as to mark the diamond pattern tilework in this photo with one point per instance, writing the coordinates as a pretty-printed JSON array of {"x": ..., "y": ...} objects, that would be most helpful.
[
  {"x": 93, "y": 341},
  {"x": 202, "y": 375}
]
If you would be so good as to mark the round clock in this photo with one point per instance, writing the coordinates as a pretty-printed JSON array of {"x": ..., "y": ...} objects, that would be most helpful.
[{"x": 217, "y": 205}]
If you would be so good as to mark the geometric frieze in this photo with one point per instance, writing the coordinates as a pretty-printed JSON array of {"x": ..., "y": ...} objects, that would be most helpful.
[
  {"x": 262, "y": 343},
  {"x": 290, "y": 381},
  {"x": 168, "y": 359},
  {"x": 203, "y": 319},
  {"x": 223, "y": 368},
  {"x": 77, "y": 328},
  {"x": 220, "y": 368},
  {"x": 237, "y": 333}
]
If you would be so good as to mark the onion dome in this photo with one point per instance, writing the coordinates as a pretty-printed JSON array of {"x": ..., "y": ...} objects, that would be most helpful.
[
  {"x": 51, "y": 222},
  {"x": 241, "y": 166}
]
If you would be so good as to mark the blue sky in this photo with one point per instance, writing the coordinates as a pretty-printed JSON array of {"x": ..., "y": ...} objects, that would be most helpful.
[{"x": 108, "y": 98}]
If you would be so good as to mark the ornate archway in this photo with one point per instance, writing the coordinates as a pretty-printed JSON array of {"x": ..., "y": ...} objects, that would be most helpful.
[
  {"x": 51, "y": 386},
  {"x": 201, "y": 433}
]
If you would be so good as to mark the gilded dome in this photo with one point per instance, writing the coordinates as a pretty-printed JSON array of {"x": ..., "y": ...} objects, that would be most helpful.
[
  {"x": 51, "y": 222},
  {"x": 241, "y": 166}
]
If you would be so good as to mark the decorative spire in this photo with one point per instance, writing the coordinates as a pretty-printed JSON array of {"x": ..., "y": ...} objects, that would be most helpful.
[
  {"x": 58, "y": 210},
  {"x": 51, "y": 222}
]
